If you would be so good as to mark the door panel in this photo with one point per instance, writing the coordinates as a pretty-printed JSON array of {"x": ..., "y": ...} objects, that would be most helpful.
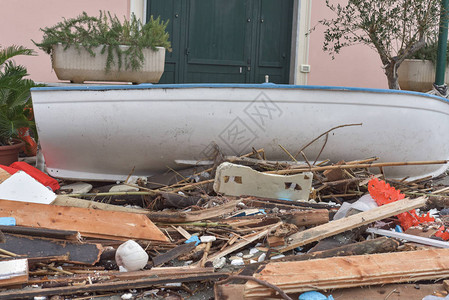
[
  {"x": 217, "y": 37},
  {"x": 273, "y": 48},
  {"x": 232, "y": 41},
  {"x": 172, "y": 11}
]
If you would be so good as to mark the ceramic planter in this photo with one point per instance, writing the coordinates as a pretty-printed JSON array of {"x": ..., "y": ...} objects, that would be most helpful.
[
  {"x": 77, "y": 65},
  {"x": 10, "y": 154},
  {"x": 417, "y": 75}
]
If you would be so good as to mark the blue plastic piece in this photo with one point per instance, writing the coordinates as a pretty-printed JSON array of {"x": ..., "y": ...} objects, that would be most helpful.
[
  {"x": 398, "y": 229},
  {"x": 195, "y": 239},
  {"x": 7, "y": 221},
  {"x": 314, "y": 295}
]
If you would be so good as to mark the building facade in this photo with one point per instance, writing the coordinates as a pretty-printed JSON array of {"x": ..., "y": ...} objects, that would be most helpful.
[{"x": 212, "y": 40}]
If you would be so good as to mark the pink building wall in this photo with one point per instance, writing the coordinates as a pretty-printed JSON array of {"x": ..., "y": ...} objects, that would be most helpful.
[
  {"x": 20, "y": 21},
  {"x": 357, "y": 66}
]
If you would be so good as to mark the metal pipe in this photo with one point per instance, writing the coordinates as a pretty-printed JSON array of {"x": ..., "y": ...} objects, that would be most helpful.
[{"x": 442, "y": 43}]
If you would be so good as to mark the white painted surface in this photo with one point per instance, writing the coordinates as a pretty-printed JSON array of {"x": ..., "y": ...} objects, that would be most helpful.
[
  {"x": 13, "y": 268},
  {"x": 237, "y": 180},
  {"x": 104, "y": 134},
  {"x": 24, "y": 188}
]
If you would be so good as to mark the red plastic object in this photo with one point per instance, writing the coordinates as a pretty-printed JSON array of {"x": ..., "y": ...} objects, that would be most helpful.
[
  {"x": 36, "y": 174},
  {"x": 383, "y": 193}
]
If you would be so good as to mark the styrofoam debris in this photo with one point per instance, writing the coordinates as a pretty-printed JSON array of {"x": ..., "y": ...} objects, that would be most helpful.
[
  {"x": 237, "y": 262},
  {"x": 278, "y": 256},
  {"x": 174, "y": 284},
  {"x": 127, "y": 296},
  {"x": 262, "y": 257},
  {"x": 77, "y": 187},
  {"x": 219, "y": 262},
  {"x": 123, "y": 188},
  {"x": 208, "y": 238},
  {"x": 253, "y": 250}
]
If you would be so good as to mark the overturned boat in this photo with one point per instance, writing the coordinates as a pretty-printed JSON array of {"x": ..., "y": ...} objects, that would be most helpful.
[{"x": 106, "y": 132}]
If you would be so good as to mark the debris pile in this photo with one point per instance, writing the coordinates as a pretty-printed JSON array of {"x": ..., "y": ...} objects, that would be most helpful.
[{"x": 241, "y": 228}]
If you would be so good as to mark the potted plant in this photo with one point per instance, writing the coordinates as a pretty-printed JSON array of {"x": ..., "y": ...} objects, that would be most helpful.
[
  {"x": 15, "y": 104},
  {"x": 394, "y": 29},
  {"x": 417, "y": 73},
  {"x": 103, "y": 48}
]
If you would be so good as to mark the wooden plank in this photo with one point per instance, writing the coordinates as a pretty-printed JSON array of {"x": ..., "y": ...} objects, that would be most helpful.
[
  {"x": 338, "y": 226},
  {"x": 62, "y": 200},
  {"x": 246, "y": 240},
  {"x": 109, "y": 286},
  {"x": 42, "y": 232},
  {"x": 13, "y": 272},
  {"x": 306, "y": 217},
  {"x": 193, "y": 216},
  {"x": 84, "y": 220},
  {"x": 172, "y": 254},
  {"x": 41, "y": 247},
  {"x": 350, "y": 271},
  {"x": 4, "y": 175},
  {"x": 401, "y": 291}
]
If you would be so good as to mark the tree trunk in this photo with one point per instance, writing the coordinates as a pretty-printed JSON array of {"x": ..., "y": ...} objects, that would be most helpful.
[{"x": 392, "y": 75}]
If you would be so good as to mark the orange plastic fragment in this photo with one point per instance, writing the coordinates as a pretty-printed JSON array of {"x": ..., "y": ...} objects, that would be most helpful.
[
  {"x": 383, "y": 193},
  {"x": 442, "y": 233},
  {"x": 30, "y": 147}
]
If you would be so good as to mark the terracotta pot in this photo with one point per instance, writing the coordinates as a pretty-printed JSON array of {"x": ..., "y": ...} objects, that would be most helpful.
[{"x": 10, "y": 154}]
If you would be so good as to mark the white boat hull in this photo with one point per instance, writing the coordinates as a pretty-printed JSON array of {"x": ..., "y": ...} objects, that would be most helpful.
[{"x": 104, "y": 132}]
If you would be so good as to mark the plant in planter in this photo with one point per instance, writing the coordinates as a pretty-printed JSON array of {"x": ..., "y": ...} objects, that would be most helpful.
[
  {"x": 417, "y": 73},
  {"x": 15, "y": 103},
  {"x": 395, "y": 29},
  {"x": 104, "y": 48}
]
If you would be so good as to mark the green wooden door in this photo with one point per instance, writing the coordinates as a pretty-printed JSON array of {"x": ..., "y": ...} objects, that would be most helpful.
[{"x": 232, "y": 41}]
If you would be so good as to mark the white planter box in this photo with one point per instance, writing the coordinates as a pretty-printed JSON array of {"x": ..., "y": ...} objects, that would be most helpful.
[
  {"x": 79, "y": 66},
  {"x": 417, "y": 75}
]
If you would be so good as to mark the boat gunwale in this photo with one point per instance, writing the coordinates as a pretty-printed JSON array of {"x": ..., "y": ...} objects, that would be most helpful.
[{"x": 228, "y": 85}]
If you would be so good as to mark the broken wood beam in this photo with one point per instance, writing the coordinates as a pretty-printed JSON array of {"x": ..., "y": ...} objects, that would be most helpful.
[
  {"x": 193, "y": 216},
  {"x": 40, "y": 247},
  {"x": 347, "y": 271},
  {"x": 306, "y": 217},
  {"x": 109, "y": 286},
  {"x": 41, "y": 232},
  {"x": 359, "y": 166},
  {"x": 338, "y": 226},
  {"x": 62, "y": 200},
  {"x": 89, "y": 222},
  {"x": 245, "y": 240},
  {"x": 379, "y": 245},
  {"x": 172, "y": 254}
]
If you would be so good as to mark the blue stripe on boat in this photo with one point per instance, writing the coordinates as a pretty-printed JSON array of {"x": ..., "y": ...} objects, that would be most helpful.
[{"x": 229, "y": 85}]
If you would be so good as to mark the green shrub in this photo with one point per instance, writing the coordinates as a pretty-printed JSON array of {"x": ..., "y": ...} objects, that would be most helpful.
[
  {"x": 429, "y": 52},
  {"x": 106, "y": 30},
  {"x": 15, "y": 98}
]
